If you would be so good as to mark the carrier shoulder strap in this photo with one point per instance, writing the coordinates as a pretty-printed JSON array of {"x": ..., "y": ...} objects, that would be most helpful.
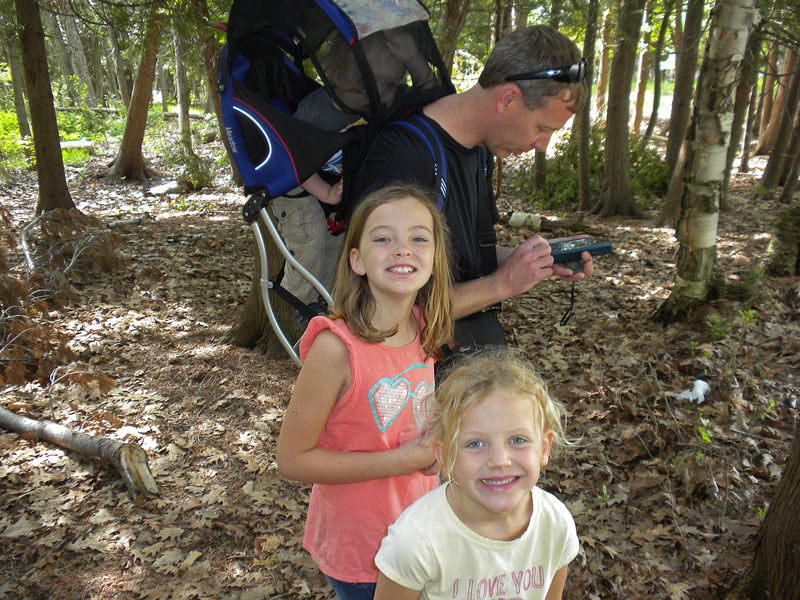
[{"x": 486, "y": 235}]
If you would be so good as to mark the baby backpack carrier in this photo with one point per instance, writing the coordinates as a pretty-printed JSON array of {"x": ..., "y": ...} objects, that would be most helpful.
[{"x": 277, "y": 54}]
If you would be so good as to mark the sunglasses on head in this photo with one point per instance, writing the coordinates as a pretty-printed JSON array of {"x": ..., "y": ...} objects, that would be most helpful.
[{"x": 567, "y": 74}]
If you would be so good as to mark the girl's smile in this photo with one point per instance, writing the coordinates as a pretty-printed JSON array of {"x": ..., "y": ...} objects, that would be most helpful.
[
  {"x": 396, "y": 248},
  {"x": 500, "y": 453}
]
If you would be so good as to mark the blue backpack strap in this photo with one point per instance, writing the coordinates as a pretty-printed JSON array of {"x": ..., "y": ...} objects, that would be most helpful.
[
  {"x": 427, "y": 134},
  {"x": 486, "y": 235}
]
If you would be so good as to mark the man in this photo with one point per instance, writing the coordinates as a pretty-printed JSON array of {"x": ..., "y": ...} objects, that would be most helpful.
[{"x": 522, "y": 97}]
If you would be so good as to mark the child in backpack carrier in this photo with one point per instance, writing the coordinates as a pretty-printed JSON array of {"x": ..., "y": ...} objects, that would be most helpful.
[{"x": 308, "y": 223}]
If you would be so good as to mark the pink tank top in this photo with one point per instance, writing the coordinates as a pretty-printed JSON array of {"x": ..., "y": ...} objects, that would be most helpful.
[{"x": 385, "y": 406}]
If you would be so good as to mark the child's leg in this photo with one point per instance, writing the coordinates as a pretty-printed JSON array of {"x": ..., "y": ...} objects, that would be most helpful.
[
  {"x": 352, "y": 591},
  {"x": 302, "y": 224}
]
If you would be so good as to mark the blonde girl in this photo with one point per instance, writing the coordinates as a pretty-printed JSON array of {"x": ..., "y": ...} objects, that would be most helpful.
[
  {"x": 356, "y": 423},
  {"x": 489, "y": 532}
]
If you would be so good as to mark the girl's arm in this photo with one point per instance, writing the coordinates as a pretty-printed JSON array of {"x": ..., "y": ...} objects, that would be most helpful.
[
  {"x": 557, "y": 585},
  {"x": 322, "y": 190},
  {"x": 389, "y": 590},
  {"x": 323, "y": 378}
]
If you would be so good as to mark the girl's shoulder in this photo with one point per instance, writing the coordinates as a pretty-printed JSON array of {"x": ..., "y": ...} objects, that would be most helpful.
[{"x": 331, "y": 333}]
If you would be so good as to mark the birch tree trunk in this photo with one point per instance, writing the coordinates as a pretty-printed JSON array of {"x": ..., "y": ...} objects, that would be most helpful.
[
  {"x": 62, "y": 55},
  {"x": 706, "y": 154}
]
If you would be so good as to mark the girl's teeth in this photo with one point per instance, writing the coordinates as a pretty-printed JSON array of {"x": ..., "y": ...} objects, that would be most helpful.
[
  {"x": 497, "y": 482},
  {"x": 401, "y": 269}
]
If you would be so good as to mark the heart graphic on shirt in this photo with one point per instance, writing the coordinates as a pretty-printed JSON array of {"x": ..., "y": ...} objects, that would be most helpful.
[
  {"x": 387, "y": 398},
  {"x": 423, "y": 404}
]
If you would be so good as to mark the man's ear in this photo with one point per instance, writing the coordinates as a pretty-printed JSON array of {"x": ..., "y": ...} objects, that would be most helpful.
[
  {"x": 355, "y": 262},
  {"x": 507, "y": 95}
]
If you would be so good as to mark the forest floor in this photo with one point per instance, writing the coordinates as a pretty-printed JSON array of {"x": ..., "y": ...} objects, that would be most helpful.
[{"x": 667, "y": 494}]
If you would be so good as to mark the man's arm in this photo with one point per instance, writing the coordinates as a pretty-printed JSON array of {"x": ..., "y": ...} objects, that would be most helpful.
[{"x": 520, "y": 269}]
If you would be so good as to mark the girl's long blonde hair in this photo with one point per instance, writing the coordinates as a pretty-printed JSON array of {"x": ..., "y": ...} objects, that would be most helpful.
[{"x": 352, "y": 299}]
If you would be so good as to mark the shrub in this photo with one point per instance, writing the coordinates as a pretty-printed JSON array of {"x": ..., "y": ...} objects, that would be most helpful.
[{"x": 649, "y": 173}]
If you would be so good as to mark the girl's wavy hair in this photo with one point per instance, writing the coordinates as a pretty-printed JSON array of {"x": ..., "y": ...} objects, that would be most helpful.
[
  {"x": 352, "y": 298},
  {"x": 472, "y": 379}
]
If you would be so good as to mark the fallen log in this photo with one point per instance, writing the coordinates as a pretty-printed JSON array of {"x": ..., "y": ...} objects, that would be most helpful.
[{"x": 129, "y": 460}]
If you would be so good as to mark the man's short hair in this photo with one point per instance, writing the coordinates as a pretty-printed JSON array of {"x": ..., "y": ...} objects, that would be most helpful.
[{"x": 531, "y": 49}]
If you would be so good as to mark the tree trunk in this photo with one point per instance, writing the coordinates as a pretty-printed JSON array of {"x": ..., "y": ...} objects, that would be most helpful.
[
  {"x": 128, "y": 459},
  {"x": 18, "y": 86},
  {"x": 253, "y": 329},
  {"x": 671, "y": 210},
  {"x": 790, "y": 187},
  {"x": 706, "y": 154},
  {"x": 794, "y": 150},
  {"x": 129, "y": 163},
  {"x": 523, "y": 10},
  {"x": 658, "y": 76},
  {"x": 539, "y": 157},
  {"x": 455, "y": 15},
  {"x": 62, "y": 56},
  {"x": 685, "y": 70},
  {"x": 119, "y": 69},
  {"x": 780, "y": 107},
  {"x": 775, "y": 572},
  {"x": 77, "y": 55},
  {"x": 53, "y": 190},
  {"x": 747, "y": 82},
  {"x": 744, "y": 165},
  {"x": 605, "y": 54},
  {"x": 182, "y": 86},
  {"x": 616, "y": 197},
  {"x": 209, "y": 50},
  {"x": 767, "y": 89},
  {"x": 585, "y": 117},
  {"x": 782, "y": 257},
  {"x": 780, "y": 149},
  {"x": 644, "y": 72}
]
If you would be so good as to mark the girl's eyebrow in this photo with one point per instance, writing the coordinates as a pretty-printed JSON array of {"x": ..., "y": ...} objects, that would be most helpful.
[{"x": 392, "y": 228}]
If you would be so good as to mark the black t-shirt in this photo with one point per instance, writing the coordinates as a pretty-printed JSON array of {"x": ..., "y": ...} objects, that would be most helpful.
[{"x": 399, "y": 154}]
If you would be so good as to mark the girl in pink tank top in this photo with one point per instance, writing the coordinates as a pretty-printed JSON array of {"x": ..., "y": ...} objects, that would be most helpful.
[{"x": 356, "y": 424}]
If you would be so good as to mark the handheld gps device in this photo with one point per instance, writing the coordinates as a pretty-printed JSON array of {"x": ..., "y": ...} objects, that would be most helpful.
[{"x": 568, "y": 252}]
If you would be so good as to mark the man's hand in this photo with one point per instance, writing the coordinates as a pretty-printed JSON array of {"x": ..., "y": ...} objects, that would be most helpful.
[{"x": 524, "y": 266}]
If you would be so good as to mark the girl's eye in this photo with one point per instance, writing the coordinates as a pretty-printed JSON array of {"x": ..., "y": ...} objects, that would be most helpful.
[
  {"x": 420, "y": 239},
  {"x": 518, "y": 440},
  {"x": 474, "y": 444},
  {"x": 381, "y": 240}
]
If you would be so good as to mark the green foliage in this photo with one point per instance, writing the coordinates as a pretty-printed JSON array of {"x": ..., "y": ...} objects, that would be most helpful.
[
  {"x": 649, "y": 173},
  {"x": 75, "y": 156},
  {"x": 12, "y": 150},
  {"x": 195, "y": 172},
  {"x": 719, "y": 327}
]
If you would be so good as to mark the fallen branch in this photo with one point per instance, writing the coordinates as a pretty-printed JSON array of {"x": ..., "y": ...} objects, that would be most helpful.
[{"x": 128, "y": 459}]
